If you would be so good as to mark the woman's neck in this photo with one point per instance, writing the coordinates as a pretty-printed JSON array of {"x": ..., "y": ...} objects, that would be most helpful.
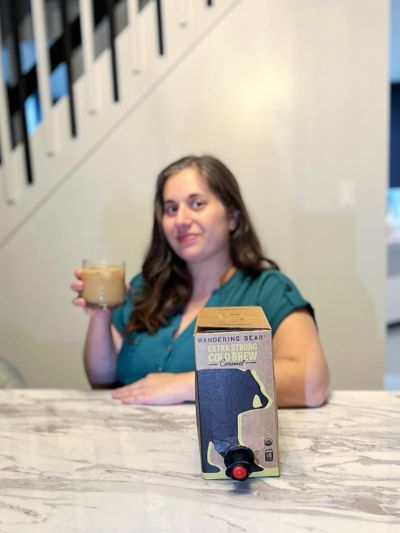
[{"x": 206, "y": 279}]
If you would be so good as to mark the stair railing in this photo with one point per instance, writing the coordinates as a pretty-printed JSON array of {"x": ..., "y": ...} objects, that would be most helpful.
[{"x": 78, "y": 33}]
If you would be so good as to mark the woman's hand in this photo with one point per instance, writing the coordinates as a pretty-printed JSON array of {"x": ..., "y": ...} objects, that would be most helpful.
[{"x": 158, "y": 389}]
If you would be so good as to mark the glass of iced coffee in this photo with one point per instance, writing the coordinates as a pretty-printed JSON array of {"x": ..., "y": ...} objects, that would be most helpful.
[{"x": 103, "y": 284}]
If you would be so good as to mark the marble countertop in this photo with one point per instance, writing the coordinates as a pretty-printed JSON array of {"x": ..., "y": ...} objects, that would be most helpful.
[{"x": 75, "y": 461}]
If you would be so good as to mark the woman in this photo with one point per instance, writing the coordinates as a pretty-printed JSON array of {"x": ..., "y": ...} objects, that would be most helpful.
[{"x": 203, "y": 251}]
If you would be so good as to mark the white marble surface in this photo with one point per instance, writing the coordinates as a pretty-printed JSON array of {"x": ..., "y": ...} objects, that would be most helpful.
[{"x": 78, "y": 461}]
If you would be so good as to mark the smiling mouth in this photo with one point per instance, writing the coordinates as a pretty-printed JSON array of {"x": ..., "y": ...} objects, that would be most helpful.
[{"x": 187, "y": 238}]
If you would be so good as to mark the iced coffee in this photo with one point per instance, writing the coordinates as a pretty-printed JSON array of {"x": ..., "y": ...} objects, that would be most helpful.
[{"x": 103, "y": 284}]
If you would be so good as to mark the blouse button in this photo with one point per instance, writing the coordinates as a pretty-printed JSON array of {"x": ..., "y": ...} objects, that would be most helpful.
[
  {"x": 159, "y": 369},
  {"x": 167, "y": 347}
]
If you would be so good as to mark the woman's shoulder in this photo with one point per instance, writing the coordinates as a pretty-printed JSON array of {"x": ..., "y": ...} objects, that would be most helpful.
[
  {"x": 273, "y": 288},
  {"x": 136, "y": 280},
  {"x": 120, "y": 315},
  {"x": 269, "y": 278},
  {"x": 274, "y": 280},
  {"x": 136, "y": 285},
  {"x": 272, "y": 274},
  {"x": 280, "y": 296}
]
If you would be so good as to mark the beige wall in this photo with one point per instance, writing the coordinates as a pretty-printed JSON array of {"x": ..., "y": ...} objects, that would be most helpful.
[{"x": 292, "y": 95}]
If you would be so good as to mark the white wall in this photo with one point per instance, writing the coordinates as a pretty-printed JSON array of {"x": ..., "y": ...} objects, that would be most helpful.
[{"x": 292, "y": 95}]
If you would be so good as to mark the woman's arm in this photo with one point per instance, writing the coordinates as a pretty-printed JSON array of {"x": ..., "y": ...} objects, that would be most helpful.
[
  {"x": 102, "y": 346},
  {"x": 161, "y": 388},
  {"x": 301, "y": 371},
  {"x": 103, "y": 342}
]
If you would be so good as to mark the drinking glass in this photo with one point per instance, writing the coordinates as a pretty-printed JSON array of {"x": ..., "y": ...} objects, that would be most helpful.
[{"x": 103, "y": 283}]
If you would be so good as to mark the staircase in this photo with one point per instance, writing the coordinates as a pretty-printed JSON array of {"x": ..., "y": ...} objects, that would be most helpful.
[{"x": 146, "y": 43}]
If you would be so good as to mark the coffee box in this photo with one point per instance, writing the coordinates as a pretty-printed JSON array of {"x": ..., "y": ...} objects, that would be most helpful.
[{"x": 235, "y": 393}]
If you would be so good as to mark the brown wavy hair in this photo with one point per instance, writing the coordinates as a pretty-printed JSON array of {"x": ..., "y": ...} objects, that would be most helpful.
[{"x": 167, "y": 285}]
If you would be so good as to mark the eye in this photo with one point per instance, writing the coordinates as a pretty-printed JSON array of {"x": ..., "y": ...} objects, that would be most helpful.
[
  {"x": 170, "y": 209},
  {"x": 198, "y": 203}
]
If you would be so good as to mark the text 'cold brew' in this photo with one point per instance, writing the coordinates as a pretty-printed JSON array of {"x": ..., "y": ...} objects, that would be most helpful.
[{"x": 235, "y": 394}]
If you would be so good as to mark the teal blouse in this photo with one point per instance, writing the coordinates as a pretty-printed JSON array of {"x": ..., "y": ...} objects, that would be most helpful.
[{"x": 161, "y": 352}]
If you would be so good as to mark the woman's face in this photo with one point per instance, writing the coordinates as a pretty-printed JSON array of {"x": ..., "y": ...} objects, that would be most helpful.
[{"x": 195, "y": 221}]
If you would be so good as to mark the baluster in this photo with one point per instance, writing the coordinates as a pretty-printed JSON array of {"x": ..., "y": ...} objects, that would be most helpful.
[
  {"x": 134, "y": 29},
  {"x": 21, "y": 93},
  {"x": 66, "y": 37},
  {"x": 11, "y": 190},
  {"x": 183, "y": 13},
  {"x": 87, "y": 31},
  {"x": 43, "y": 69},
  {"x": 109, "y": 4},
  {"x": 160, "y": 28}
]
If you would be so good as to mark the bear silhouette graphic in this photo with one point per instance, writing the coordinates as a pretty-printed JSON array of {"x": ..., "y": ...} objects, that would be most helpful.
[{"x": 226, "y": 393}]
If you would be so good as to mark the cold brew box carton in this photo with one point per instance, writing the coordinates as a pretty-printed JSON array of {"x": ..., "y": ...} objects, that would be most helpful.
[{"x": 235, "y": 394}]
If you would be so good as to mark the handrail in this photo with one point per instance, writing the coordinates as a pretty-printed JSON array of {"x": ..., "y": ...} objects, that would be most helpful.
[{"x": 74, "y": 33}]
